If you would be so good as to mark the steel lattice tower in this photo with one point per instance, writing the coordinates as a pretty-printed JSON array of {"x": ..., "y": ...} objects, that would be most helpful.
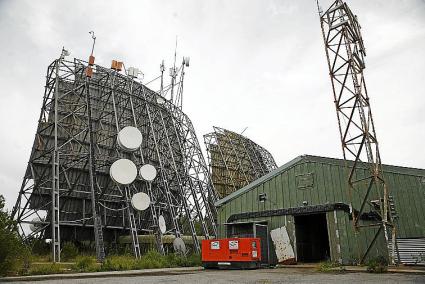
[
  {"x": 67, "y": 193},
  {"x": 367, "y": 190},
  {"x": 235, "y": 160}
]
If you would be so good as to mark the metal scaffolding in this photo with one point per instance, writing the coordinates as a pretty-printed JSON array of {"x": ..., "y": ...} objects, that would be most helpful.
[
  {"x": 67, "y": 193},
  {"x": 234, "y": 160},
  {"x": 368, "y": 192}
]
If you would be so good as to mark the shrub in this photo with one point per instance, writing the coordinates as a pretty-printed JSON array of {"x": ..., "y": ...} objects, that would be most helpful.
[
  {"x": 377, "y": 265},
  {"x": 69, "y": 251},
  {"x": 40, "y": 247},
  {"x": 85, "y": 264},
  {"x": 14, "y": 255},
  {"x": 194, "y": 260},
  {"x": 152, "y": 259}
]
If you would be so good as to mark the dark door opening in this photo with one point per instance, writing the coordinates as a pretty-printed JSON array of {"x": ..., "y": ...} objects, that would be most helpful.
[
  {"x": 262, "y": 232},
  {"x": 312, "y": 238}
]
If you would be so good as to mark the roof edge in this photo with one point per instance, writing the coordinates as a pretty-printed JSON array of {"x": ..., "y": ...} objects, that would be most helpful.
[
  {"x": 312, "y": 158},
  {"x": 260, "y": 180}
]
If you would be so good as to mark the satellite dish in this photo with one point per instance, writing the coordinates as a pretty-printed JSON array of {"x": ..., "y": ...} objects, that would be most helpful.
[
  {"x": 123, "y": 171},
  {"x": 130, "y": 138},
  {"x": 160, "y": 100},
  {"x": 162, "y": 225},
  {"x": 36, "y": 224},
  {"x": 140, "y": 201},
  {"x": 179, "y": 245},
  {"x": 148, "y": 172}
]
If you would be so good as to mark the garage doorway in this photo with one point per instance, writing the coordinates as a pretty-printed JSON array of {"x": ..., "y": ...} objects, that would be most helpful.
[{"x": 312, "y": 238}]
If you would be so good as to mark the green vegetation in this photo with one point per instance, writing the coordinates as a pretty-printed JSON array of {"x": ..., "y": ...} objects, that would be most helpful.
[
  {"x": 152, "y": 259},
  {"x": 85, "y": 264},
  {"x": 16, "y": 258},
  {"x": 377, "y": 265},
  {"x": 328, "y": 266},
  {"x": 14, "y": 255},
  {"x": 69, "y": 251},
  {"x": 46, "y": 268},
  {"x": 118, "y": 262}
]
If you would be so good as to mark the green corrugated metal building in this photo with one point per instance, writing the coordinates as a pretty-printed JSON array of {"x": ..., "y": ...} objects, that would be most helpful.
[{"x": 316, "y": 187}]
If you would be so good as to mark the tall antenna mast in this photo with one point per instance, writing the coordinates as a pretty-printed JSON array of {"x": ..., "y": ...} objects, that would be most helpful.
[
  {"x": 367, "y": 190},
  {"x": 97, "y": 221},
  {"x": 94, "y": 42},
  {"x": 173, "y": 73},
  {"x": 162, "y": 69}
]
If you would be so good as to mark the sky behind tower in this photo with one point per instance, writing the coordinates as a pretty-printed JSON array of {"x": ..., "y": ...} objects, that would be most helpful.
[{"x": 257, "y": 64}]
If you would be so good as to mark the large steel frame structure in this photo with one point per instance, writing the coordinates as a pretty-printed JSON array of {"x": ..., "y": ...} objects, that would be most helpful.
[
  {"x": 67, "y": 193},
  {"x": 345, "y": 53},
  {"x": 235, "y": 161}
]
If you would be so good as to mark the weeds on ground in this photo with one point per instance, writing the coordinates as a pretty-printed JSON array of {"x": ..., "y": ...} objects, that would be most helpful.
[
  {"x": 152, "y": 259},
  {"x": 377, "y": 265},
  {"x": 48, "y": 268},
  {"x": 328, "y": 266},
  {"x": 85, "y": 264},
  {"x": 118, "y": 262},
  {"x": 69, "y": 251}
]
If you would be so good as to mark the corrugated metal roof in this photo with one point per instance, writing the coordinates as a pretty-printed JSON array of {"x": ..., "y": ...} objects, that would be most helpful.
[{"x": 317, "y": 159}]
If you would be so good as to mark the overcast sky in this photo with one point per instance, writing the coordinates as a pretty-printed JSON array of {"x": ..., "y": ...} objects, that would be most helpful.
[{"x": 256, "y": 64}]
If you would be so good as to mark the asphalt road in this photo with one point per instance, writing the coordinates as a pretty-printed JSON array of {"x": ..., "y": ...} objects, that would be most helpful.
[{"x": 280, "y": 275}]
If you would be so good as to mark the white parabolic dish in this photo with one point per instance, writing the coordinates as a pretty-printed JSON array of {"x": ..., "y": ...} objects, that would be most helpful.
[
  {"x": 160, "y": 100},
  {"x": 123, "y": 171},
  {"x": 34, "y": 226},
  {"x": 179, "y": 245},
  {"x": 130, "y": 138},
  {"x": 148, "y": 172},
  {"x": 161, "y": 223},
  {"x": 140, "y": 201}
]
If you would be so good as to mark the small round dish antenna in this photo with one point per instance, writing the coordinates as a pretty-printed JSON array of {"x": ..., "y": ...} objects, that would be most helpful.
[
  {"x": 36, "y": 224},
  {"x": 179, "y": 246},
  {"x": 130, "y": 138},
  {"x": 123, "y": 171},
  {"x": 162, "y": 225},
  {"x": 160, "y": 100},
  {"x": 148, "y": 172},
  {"x": 140, "y": 201}
]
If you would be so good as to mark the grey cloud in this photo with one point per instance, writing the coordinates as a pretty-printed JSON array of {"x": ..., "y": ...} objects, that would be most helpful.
[{"x": 257, "y": 63}]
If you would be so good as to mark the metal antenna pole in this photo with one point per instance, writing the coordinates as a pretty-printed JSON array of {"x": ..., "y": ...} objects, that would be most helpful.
[
  {"x": 56, "y": 247},
  {"x": 94, "y": 41},
  {"x": 173, "y": 73},
  {"x": 162, "y": 69},
  {"x": 97, "y": 221}
]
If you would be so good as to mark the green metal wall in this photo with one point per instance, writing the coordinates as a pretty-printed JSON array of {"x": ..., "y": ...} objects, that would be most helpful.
[{"x": 321, "y": 181}]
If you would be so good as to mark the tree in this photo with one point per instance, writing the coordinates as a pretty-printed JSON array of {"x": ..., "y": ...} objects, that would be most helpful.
[{"x": 14, "y": 254}]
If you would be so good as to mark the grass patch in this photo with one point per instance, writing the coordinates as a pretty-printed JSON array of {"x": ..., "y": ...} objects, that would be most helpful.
[
  {"x": 69, "y": 251},
  {"x": 86, "y": 264},
  {"x": 377, "y": 265},
  {"x": 328, "y": 266},
  {"x": 118, "y": 262},
  {"x": 151, "y": 259},
  {"x": 46, "y": 268}
]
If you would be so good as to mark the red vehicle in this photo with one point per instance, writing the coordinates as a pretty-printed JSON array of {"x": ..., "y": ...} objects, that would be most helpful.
[{"x": 231, "y": 252}]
